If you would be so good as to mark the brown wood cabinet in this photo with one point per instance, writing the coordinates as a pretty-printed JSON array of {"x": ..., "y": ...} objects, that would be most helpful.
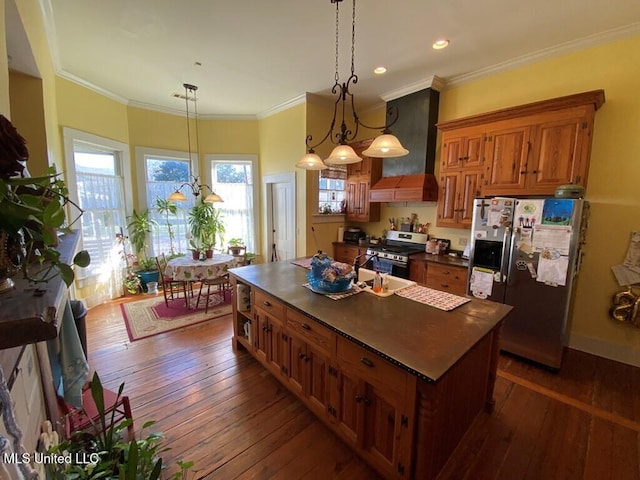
[
  {"x": 347, "y": 253},
  {"x": 270, "y": 341},
  {"x": 310, "y": 348},
  {"x": 447, "y": 278},
  {"x": 360, "y": 177},
  {"x": 458, "y": 188},
  {"x": 525, "y": 150},
  {"x": 440, "y": 276},
  {"x": 369, "y": 401},
  {"x": 405, "y": 418}
]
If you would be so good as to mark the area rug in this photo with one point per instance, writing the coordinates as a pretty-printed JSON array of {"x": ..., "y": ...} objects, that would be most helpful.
[{"x": 150, "y": 316}]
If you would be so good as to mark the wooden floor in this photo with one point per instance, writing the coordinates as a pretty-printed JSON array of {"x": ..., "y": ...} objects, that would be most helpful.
[{"x": 226, "y": 413}]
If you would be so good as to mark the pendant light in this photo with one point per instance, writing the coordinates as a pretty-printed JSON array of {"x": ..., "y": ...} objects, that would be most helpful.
[
  {"x": 194, "y": 183},
  {"x": 384, "y": 146}
]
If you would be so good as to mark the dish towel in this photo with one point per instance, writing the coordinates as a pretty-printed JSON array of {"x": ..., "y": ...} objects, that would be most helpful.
[{"x": 68, "y": 363}]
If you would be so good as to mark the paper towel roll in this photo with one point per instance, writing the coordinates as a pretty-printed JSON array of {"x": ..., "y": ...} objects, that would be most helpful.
[
  {"x": 341, "y": 234},
  {"x": 244, "y": 297}
]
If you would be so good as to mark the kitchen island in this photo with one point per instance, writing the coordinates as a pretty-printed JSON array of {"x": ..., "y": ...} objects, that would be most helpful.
[{"x": 399, "y": 381}]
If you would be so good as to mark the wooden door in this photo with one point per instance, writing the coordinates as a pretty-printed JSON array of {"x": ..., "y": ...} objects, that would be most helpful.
[
  {"x": 383, "y": 427},
  {"x": 349, "y": 409},
  {"x": 448, "y": 202},
  {"x": 557, "y": 153},
  {"x": 276, "y": 346},
  {"x": 452, "y": 151},
  {"x": 353, "y": 206},
  {"x": 316, "y": 381},
  {"x": 297, "y": 364},
  {"x": 507, "y": 153},
  {"x": 471, "y": 186}
]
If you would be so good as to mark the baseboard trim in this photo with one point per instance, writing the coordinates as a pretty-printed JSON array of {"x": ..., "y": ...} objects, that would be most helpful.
[{"x": 628, "y": 354}]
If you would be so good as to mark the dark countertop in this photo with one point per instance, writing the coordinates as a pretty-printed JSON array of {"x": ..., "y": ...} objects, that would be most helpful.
[
  {"x": 444, "y": 259},
  {"x": 423, "y": 340},
  {"x": 421, "y": 257}
]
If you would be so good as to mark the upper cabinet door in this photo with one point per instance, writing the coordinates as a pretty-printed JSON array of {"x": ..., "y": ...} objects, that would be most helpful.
[
  {"x": 559, "y": 155},
  {"x": 507, "y": 152},
  {"x": 462, "y": 149}
]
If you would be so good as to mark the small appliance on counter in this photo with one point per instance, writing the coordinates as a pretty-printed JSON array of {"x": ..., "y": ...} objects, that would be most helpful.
[{"x": 353, "y": 235}]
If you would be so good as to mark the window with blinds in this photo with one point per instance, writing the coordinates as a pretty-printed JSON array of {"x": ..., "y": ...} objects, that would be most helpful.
[{"x": 331, "y": 189}]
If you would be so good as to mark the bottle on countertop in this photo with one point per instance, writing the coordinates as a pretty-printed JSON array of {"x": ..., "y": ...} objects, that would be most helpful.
[
  {"x": 377, "y": 282},
  {"x": 385, "y": 283}
]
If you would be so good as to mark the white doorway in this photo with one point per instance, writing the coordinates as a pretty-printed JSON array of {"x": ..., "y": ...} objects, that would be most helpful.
[{"x": 281, "y": 216}]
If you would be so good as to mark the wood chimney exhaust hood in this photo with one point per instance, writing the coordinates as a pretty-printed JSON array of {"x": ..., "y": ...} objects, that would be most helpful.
[{"x": 411, "y": 178}]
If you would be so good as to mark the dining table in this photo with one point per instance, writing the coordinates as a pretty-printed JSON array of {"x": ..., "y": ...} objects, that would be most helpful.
[{"x": 187, "y": 269}]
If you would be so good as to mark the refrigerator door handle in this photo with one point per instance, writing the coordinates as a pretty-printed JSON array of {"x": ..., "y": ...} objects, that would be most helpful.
[{"x": 505, "y": 255}]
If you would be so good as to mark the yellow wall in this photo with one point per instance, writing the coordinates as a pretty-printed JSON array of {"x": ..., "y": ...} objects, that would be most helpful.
[
  {"x": 281, "y": 146},
  {"x": 32, "y": 21},
  {"x": 88, "y": 111},
  {"x": 27, "y": 115},
  {"x": 614, "y": 175}
]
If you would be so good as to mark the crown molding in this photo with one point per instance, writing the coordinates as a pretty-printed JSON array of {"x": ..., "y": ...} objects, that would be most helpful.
[
  {"x": 302, "y": 98},
  {"x": 181, "y": 112},
  {"x": 564, "y": 48},
  {"x": 433, "y": 82},
  {"x": 83, "y": 83}
]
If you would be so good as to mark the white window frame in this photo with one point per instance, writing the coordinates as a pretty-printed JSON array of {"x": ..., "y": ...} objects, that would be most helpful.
[
  {"x": 213, "y": 158},
  {"x": 71, "y": 135},
  {"x": 142, "y": 153}
]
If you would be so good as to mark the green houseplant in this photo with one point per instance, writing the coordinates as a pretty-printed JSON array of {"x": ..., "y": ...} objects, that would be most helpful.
[
  {"x": 32, "y": 210},
  {"x": 140, "y": 227},
  {"x": 205, "y": 226},
  {"x": 109, "y": 455},
  {"x": 167, "y": 207},
  {"x": 236, "y": 245}
]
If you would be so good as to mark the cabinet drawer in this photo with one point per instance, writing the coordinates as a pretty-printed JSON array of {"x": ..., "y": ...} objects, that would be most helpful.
[
  {"x": 371, "y": 367},
  {"x": 314, "y": 333},
  {"x": 346, "y": 253},
  {"x": 446, "y": 278},
  {"x": 269, "y": 304}
]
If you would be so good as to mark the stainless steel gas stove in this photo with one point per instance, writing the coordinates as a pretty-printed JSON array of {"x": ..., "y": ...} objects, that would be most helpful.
[{"x": 396, "y": 250}]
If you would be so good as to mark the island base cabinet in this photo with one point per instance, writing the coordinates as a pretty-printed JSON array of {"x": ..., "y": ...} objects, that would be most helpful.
[
  {"x": 447, "y": 408},
  {"x": 374, "y": 408},
  {"x": 307, "y": 374},
  {"x": 270, "y": 342}
]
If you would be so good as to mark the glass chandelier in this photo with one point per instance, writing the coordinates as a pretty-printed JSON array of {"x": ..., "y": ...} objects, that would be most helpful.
[{"x": 384, "y": 146}]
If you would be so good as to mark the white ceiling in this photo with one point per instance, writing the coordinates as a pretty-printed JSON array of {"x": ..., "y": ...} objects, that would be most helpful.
[{"x": 259, "y": 55}]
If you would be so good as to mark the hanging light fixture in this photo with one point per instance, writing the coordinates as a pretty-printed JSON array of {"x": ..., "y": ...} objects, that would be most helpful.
[
  {"x": 384, "y": 146},
  {"x": 196, "y": 187}
]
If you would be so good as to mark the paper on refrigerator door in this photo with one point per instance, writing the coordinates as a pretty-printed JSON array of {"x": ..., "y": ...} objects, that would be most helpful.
[
  {"x": 552, "y": 270},
  {"x": 481, "y": 283},
  {"x": 552, "y": 237}
]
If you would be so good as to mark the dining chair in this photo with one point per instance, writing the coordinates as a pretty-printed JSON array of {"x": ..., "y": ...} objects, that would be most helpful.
[
  {"x": 171, "y": 287},
  {"x": 220, "y": 284}
]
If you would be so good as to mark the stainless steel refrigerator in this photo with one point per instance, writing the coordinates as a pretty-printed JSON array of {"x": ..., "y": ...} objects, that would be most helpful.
[{"x": 526, "y": 253}]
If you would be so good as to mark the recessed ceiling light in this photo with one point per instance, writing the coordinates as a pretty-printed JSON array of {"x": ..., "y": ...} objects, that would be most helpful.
[
  {"x": 379, "y": 70},
  {"x": 440, "y": 44}
]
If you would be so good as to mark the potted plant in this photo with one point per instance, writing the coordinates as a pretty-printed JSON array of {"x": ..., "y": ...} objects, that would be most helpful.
[
  {"x": 205, "y": 225},
  {"x": 101, "y": 451},
  {"x": 32, "y": 210},
  {"x": 167, "y": 207},
  {"x": 236, "y": 245},
  {"x": 139, "y": 228}
]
